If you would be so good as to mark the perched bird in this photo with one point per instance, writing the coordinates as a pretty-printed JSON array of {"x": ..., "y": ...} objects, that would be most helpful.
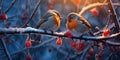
[
  {"x": 77, "y": 24},
  {"x": 50, "y": 21}
]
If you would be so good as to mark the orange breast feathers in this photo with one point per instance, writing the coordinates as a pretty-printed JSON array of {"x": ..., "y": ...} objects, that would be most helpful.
[
  {"x": 57, "y": 20},
  {"x": 72, "y": 25}
]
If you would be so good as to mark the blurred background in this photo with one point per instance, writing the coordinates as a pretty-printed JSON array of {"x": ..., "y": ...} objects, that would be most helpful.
[{"x": 45, "y": 47}]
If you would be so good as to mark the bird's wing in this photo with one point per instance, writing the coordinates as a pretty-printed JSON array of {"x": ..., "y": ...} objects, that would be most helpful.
[
  {"x": 48, "y": 14},
  {"x": 57, "y": 20},
  {"x": 40, "y": 22},
  {"x": 44, "y": 19},
  {"x": 85, "y": 22}
]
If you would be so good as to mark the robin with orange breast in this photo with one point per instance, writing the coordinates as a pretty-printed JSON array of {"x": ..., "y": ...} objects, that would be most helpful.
[
  {"x": 77, "y": 24},
  {"x": 50, "y": 21}
]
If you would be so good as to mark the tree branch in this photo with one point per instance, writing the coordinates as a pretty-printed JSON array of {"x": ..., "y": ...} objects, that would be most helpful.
[
  {"x": 40, "y": 31},
  {"x": 84, "y": 9},
  {"x": 10, "y": 6},
  {"x": 56, "y": 34}
]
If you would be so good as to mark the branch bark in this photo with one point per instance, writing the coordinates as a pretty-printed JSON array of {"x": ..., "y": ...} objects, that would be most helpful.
[{"x": 56, "y": 34}]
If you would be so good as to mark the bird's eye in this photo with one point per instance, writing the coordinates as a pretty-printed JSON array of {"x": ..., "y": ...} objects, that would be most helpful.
[{"x": 69, "y": 20}]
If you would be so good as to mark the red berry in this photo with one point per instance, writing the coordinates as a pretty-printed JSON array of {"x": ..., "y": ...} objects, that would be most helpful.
[
  {"x": 68, "y": 33},
  {"x": 28, "y": 43},
  {"x": 59, "y": 42},
  {"x": 80, "y": 46},
  {"x": 1, "y": 35},
  {"x": 73, "y": 44},
  {"x": 3, "y": 17},
  {"x": 91, "y": 51},
  {"x": 106, "y": 32},
  {"x": 100, "y": 55},
  {"x": 94, "y": 11},
  {"x": 28, "y": 57},
  {"x": 88, "y": 57}
]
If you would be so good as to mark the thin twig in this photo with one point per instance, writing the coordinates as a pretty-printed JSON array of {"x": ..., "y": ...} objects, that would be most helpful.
[
  {"x": 52, "y": 39},
  {"x": 33, "y": 13},
  {"x": 114, "y": 15},
  {"x": 84, "y": 9},
  {"x": 113, "y": 43},
  {"x": 108, "y": 58},
  {"x": 10, "y": 6},
  {"x": 75, "y": 55},
  {"x": 59, "y": 50},
  {"x": 5, "y": 49},
  {"x": 33, "y": 47},
  {"x": 85, "y": 51}
]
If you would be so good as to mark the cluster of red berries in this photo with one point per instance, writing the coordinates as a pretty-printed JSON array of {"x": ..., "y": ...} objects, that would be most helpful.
[{"x": 91, "y": 52}]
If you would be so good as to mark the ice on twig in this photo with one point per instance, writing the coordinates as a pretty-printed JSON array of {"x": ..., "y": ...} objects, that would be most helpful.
[{"x": 60, "y": 33}]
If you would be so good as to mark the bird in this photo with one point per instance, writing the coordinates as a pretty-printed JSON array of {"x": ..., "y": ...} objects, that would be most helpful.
[
  {"x": 77, "y": 24},
  {"x": 50, "y": 21}
]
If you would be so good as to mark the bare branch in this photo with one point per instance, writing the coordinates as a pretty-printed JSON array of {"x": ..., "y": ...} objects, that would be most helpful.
[
  {"x": 56, "y": 34},
  {"x": 84, "y": 9},
  {"x": 33, "y": 13},
  {"x": 10, "y": 6}
]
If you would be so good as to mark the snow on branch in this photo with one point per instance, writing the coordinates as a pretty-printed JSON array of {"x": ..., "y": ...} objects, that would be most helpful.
[
  {"x": 40, "y": 31},
  {"x": 49, "y": 33}
]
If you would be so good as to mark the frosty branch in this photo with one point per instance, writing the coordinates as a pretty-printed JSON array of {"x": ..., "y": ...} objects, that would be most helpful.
[{"x": 56, "y": 34}]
